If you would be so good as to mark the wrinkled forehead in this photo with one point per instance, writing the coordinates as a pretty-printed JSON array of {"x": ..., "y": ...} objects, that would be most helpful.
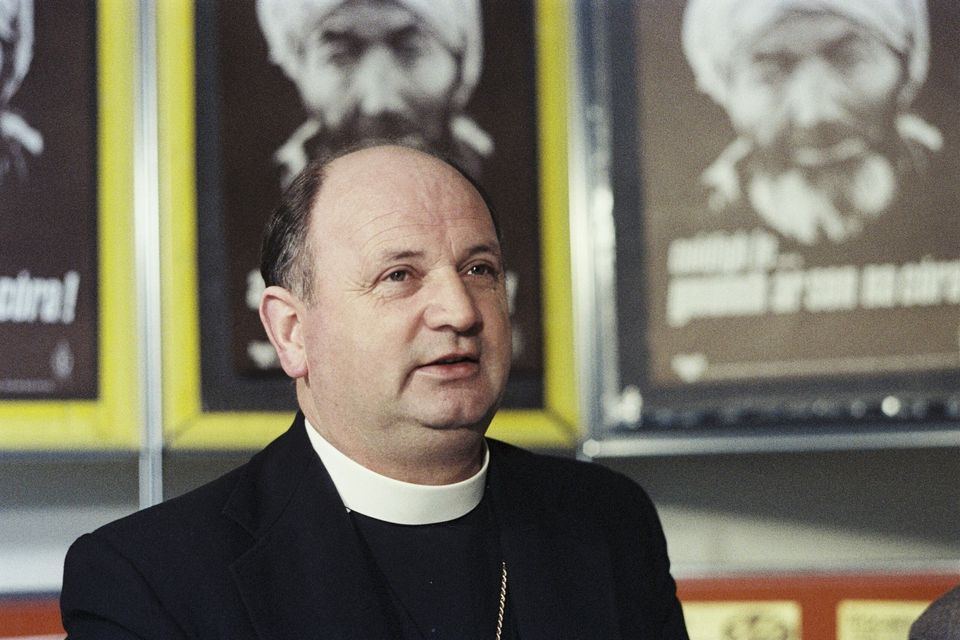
[{"x": 423, "y": 229}]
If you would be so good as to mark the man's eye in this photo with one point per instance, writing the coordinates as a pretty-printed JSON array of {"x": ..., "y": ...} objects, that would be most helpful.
[
  {"x": 398, "y": 276},
  {"x": 409, "y": 44},
  {"x": 342, "y": 49},
  {"x": 481, "y": 270},
  {"x": 772, "y": 67}
]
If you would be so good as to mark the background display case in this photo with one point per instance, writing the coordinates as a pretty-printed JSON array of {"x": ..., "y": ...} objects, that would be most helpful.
[{"x": 790, "y": 407}]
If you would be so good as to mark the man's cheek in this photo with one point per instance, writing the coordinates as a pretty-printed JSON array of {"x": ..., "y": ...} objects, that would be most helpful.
[
  {"x": 326, "y": 96},
  {"x": 754, "y": 115}
]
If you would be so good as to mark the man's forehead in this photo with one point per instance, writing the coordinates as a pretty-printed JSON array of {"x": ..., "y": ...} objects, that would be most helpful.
[
  {"x": 400, "y": 224},
  {"x": 390, "y": 191},
  {"x": 399, "y": 175},
  {"x": 423, "y": 233}
]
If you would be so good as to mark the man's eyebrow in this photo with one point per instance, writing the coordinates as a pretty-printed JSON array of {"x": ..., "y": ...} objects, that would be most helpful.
[
  {"x": 339, "y": 33},
  {"x": 398, "y": 36},
  {"x": 407, "y": 254},
  {"x": 483, "y": 248}
]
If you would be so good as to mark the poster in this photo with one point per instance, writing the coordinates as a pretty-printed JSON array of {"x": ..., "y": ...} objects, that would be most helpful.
[
  {"x": 877, "y": 619},
  {"x": 259, "y": 106},
  {"x": 49, "y": 323},
  {"x": 743, "y": 620},
  {"x": 792, "y": 244}
]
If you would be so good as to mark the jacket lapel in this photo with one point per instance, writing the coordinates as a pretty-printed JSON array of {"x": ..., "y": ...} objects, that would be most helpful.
[{"x": 306, "y": 576}]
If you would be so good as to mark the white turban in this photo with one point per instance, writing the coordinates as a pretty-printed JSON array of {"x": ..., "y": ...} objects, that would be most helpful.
[
  {"x": 713, "y": 30},
  {"x": 457, "y": 23}
]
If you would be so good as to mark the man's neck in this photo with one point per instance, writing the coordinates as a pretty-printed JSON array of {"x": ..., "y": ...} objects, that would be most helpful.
[{"x": 407, "y": 452}]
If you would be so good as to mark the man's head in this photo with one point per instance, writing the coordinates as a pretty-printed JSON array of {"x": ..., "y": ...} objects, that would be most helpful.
[
  {"x": 398, "y": 331},
  {"x": 375, "y": 68},
  {"x": 819, "y": 89}
]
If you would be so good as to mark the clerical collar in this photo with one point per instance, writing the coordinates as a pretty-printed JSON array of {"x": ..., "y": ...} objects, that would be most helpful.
[{"x": 377, "y": 496}]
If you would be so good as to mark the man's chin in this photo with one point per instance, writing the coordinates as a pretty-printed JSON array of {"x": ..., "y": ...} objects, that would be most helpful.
[{"x": 458, "y": 418}]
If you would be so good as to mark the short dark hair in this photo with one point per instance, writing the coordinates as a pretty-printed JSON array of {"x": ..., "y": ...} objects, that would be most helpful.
[
  {"x": 284, "y": 251},
  {"x": 285, "y": 238}
]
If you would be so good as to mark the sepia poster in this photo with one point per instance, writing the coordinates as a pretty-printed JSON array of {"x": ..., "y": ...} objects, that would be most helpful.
[
  {"x": 800, "y": 216},
  {"x": 281, "y": 82},
  {"x": 48, "y": 201}
]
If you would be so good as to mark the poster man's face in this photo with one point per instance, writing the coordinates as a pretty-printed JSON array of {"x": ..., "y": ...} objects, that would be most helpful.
[
  {"x": 373, "y": 69},
  {"x": 815, "y": 91}
]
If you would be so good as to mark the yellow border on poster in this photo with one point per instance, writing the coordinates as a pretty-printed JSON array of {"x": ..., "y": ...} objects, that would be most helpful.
[
  {"x": 110, "y": 422},
  {"x": 186, "y": 424}
]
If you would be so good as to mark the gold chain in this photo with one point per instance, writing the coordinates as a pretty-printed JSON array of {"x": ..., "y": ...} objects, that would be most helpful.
[{"x": 503, "y": 597}]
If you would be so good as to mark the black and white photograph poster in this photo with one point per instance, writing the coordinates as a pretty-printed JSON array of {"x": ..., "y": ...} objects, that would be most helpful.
[
  {"x": 801, "y": 208},
  {"x": 48, "y": 201},
  {"x": 282, "y": 81}
]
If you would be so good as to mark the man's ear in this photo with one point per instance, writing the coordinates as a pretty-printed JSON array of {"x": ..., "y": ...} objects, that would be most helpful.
[{"x": 280, "y": 314}]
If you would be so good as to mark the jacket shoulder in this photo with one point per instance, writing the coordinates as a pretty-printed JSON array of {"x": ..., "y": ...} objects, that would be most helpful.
[{"x": 569, "y": 481}]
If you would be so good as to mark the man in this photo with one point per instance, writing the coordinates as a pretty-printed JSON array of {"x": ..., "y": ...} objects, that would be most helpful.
[
  {"x": 384, "y": 512},
  {"x": 819, "y": 93},
  {"x": 403, "y": 69},
  {"x": 17, "y": 138}
]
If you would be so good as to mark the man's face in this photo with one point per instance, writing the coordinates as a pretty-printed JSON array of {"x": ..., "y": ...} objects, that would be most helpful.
[
  {"x": 373, "y": 69},
  {"x": 408, "y": 335},
  {"x": 815, "y": 91}
]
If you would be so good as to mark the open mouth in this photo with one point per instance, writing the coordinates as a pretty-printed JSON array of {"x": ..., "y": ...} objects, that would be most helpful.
[
  {"x": 452, "y": 366},
  {"x": 453, "y": 360}
]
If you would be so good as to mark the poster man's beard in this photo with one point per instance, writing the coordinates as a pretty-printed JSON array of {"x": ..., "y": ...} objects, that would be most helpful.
[{"x": 835, "y": 201}]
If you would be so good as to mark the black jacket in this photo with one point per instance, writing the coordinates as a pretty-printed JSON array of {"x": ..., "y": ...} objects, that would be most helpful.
[{"x": 268, "y": 551}]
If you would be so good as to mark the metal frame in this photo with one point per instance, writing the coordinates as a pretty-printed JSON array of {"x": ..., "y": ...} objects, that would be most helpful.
[{"x": 147, "y": 228}]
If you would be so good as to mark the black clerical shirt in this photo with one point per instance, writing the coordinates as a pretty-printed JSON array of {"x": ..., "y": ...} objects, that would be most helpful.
[{"x": 439, "y": 581}]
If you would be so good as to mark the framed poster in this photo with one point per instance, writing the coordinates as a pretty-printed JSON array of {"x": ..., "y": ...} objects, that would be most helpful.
[
  {"x": 784, "y": 218},
  {"x": 66, "y": 309},
  {"x": 247, "y": 120}
]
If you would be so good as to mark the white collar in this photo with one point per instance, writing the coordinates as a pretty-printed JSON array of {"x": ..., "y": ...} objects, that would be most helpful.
[{"x": 377, "y": 496}]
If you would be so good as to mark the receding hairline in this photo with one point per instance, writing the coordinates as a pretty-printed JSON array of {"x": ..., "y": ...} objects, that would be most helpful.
[
  {"x": 357, "y": 155},
  {"x": 359, "y": 160},
  {"x": 286, "y": 245}
]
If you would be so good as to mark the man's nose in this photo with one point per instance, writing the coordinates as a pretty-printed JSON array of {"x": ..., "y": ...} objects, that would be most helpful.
[
  {"x": 377, "y": 83},
  {"x": 814, "y": 95},
  {"x": 451, "y": 305}
]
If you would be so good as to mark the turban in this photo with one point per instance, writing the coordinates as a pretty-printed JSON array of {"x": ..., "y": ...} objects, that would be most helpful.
[
  {"x": 457, "y": 23},
  {"x": 714, "y": 30}
]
